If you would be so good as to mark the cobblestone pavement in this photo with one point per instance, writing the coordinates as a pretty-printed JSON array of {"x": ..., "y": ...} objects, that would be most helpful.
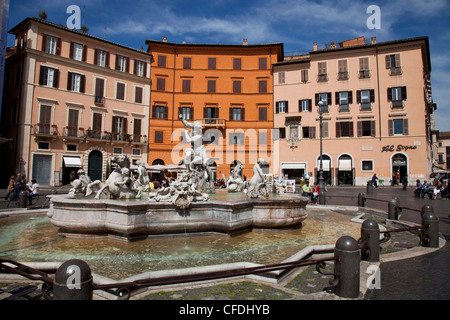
[{"x": 425, "y": 277}]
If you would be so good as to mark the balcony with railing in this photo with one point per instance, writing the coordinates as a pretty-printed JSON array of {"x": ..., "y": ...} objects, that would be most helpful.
[
  {"x": 322, "y": 77},
  {"x": 342, "y": 75},
  {"x": 364, "y": 74},
  {"x": 395, "y": 71},
  {"x": 213, "y": 122},
  {"x": 74, "y": 133},
  {"x": 45, "y": 130}
]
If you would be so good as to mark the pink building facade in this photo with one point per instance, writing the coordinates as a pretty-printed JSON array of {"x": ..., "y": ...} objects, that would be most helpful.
[
  {"x": 376, "y": 107},
  {"x": 73, "y": 101}
]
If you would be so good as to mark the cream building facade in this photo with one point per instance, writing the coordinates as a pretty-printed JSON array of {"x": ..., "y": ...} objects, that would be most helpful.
[{"x": 377, "y": 112}]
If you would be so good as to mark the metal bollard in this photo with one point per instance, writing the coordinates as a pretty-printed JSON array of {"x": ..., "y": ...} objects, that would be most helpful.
[
  {"x": 73, "y": 281},
  {"x": 346, "y": 268},
  {"x": 429, "y": 234},
  {"x": 23, "y": 199},
  {"x": 370, "y": 232},
  {"x": 369, "y": 186},
  {"x": 393, "y": 209},
  {"x": 426, "y": 209},
  {"x": 361, "y": 200}
]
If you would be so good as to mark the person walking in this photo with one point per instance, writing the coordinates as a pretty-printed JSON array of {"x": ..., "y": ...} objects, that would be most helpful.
[
  {"x": 10, "y": 187},
  {"x": 405, "y": 182},
  {"x": 374, "y": 180}
]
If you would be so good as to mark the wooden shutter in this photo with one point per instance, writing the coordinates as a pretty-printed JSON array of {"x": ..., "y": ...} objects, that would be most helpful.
[
  {"x": 350, "y": 97},
  {"x": 55, "y": 78},
  {"x": 329, "y": 98},
  {"x": 325, "y": 129},
  {"x": 58, "y": 47},
  {"x": 309, "y": 105},
  {"x": 138, "y": 95},
  {"x": 114, "y": 124},
  {"x": 403, "y": 93},
  {"x": 96, "y": 56},
  {"x": 350, "y": 129},
  {"x": 342, "y": 65},
  {"x": 337, "y": 95},
  {"x": 237, "y": 64},
  {"x": 322, "y": 66},
  {"x": 405, "y": 127},
  {"x": 84, "y": 58},
  {"x": 388, "y": 62},
  {"x": 107, "y": 60},
  {"x": 312, "y": 132},
  {"x": 304, "y": 75},
  {"x": 358, "y": 96},
  {"x": 372, "y": 128},
  {"x": 186, "y": 85},
  {"x": 391, "y": 127},
  {"x": 41, "y": 75},
  {"x": 166, "y": 113},
  {"x": 317, "y": 98},
  {"x": 397, "y": 60},
  {"x": 99, "y": 87},
  {"x": 389, "y": 94},
  {"x": 72, "y": 47},
  {"x": 286, "y": 108},
  {"x": 137, "y": 127},
  {"x": 82, "y": 83},
  {"x": 277, "y": 107},
  {"x": 363, "y": 64},
  {"x": 262, "y": 63},
  {"x": 359, "y": 128},
  {"x": 338, "y": 129},
  {"x": 212, "y": 63},
  {"x": 263, "y": 114},
  {"x": 127, "y": 65},
  {"x": 236, "y": 86},
  {"x": 97, "y": 122},
  {"x": 372, "y": 96},
  {"x": 44, "y": 43},
  {"x": 120, "y": 91},
  {"x": 262, "y": 86},
  {"x": 187, "y": 63},
  {"x": 45, "y": 114},
  {"x": 69, "y": 81}
]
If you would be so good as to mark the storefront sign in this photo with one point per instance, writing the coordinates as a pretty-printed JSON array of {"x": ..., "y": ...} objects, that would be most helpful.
[{"x": 391, "y": 148}]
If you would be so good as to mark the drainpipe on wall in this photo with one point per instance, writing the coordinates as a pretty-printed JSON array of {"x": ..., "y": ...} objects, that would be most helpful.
[{"x": 378, "y": 83}]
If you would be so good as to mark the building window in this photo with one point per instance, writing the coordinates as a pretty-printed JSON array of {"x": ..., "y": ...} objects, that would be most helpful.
[
  {"x": 393, "y": 64},
  {"x": 136, "y": 152},
  {"x": 367, "y": 165},
  {"x": 137, "y": 125},
  {"x": 396, "y": 96},
  {"x": 366, "y": 128},
  {"x": 236, "y": 139},
  {"x": 160, "y": 84},
  {"x": 364, "y": 72},
  {"x": 281, "y": 77},
  {"x": 140, "y": 68},
  {"x": 344, "y": 129},
  {"x": 72, "y": 123},
  {"x": 119, "y": 127},
  {"x": 398, "y": 127},
  {"x": 101, "y": 58},
  {"x": 120, "y": 91},
  {"x": 187, "y": 63},
  {"x": 365, "y": 98},
  {"x": 43, "y": 145},
  {"x": 117, "y": 150},
  {"x": 77, "y": 51},
  {"x": 162, "y": 61},
  {"x": 342, "y": 70},
  {"x": 49, "y": 77},
  {"x": 305, "y": 105},
  {"x": 160, "y": 112},
  {"x": 262, "y": 138},
  {"x": 309, "y": 132},
  {"x": 262, "y": 63},
  {"x": 122, "y": 63},
  {"x": 45, "y": 118},
  {"x": 76, "y": 82},
  {"x": 237, "y": 64},
  {"x": 344, "y": 99},
  {"x": 281, "y": 107},
  {"x": 262, "y": 86},
  {"x": 71, "y": 147},
  {"x": 97, "y": 119},
  {"x": 138, "y": 94},
  {"x": 159, "y": 136},
  {"x": 211, "y": 86},
  {"x": 211, "y": 113},
  {"x": 262, "y": 116},
  {"x": 187, "y": 113},
  {"x": 325, "y": 98},
  {"x": 304, "y": 75},
  {"x": 236, "y": 86},
  {"x": 282, "y": 133},
  {"x": 322, "y": 75},
  {"x": 237, "y": 114},
  {"x": 186, "y": 83},
  {"x": 52, "y": 45},
  {"x": 212, "y": 63}
]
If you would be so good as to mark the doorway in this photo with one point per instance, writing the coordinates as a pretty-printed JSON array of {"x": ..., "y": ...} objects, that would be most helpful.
[
  {"x": 400, "y": 166},
  {"x": 95, "y": 165}
]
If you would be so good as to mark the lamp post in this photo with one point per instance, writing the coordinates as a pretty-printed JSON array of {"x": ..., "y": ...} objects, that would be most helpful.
[{"x": 321, "y": 182}]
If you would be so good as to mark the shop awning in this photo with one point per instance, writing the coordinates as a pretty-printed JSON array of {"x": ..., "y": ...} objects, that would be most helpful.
[
  {"x": 72, "y": 162},
  {"x": 325, "y": 165},
  {"x": 293, "y": 165},
  {"x": 345, "y": 165}
]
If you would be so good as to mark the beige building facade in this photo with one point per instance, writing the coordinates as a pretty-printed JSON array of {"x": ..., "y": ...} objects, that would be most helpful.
[
  {"x": 73, "y": 101},
  {"x": 376, "y": 108}
]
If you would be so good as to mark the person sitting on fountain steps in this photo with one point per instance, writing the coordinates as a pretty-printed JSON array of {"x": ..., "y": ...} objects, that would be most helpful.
[{"x": 307, "y": 191}]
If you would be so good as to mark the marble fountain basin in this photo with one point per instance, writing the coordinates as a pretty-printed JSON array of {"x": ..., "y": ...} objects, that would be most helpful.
[{"x": 227, "y": 213}]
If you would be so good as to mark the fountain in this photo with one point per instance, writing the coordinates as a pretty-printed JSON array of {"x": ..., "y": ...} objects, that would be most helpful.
[{"x": 128, "y": 210}]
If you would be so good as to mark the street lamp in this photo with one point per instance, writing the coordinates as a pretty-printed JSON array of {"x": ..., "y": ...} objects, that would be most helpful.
[{"x": 321, "y": 182}]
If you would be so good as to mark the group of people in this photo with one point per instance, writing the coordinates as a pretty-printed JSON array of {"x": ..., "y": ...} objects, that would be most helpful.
[
  {"x": 18, "y": 184},
  {"x": 311, "y": 192},
  {"x": 437, "y": 187}
]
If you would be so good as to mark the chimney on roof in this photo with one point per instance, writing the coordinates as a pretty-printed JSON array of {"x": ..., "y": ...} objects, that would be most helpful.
[
  {"x": 164, "y": 39},
  {"x": 315, "y": 46},
  {"x": 244, "y": 42},
  {"x": 373, "y": 40}
]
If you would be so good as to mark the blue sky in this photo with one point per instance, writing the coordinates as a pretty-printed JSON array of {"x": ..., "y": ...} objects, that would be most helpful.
[{"x": 297, "y": 24}]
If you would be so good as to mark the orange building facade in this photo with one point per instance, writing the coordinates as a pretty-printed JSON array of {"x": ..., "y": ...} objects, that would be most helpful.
[
  {"x": 228, "y": 88},
  {"x": 72, "y": 101}
]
